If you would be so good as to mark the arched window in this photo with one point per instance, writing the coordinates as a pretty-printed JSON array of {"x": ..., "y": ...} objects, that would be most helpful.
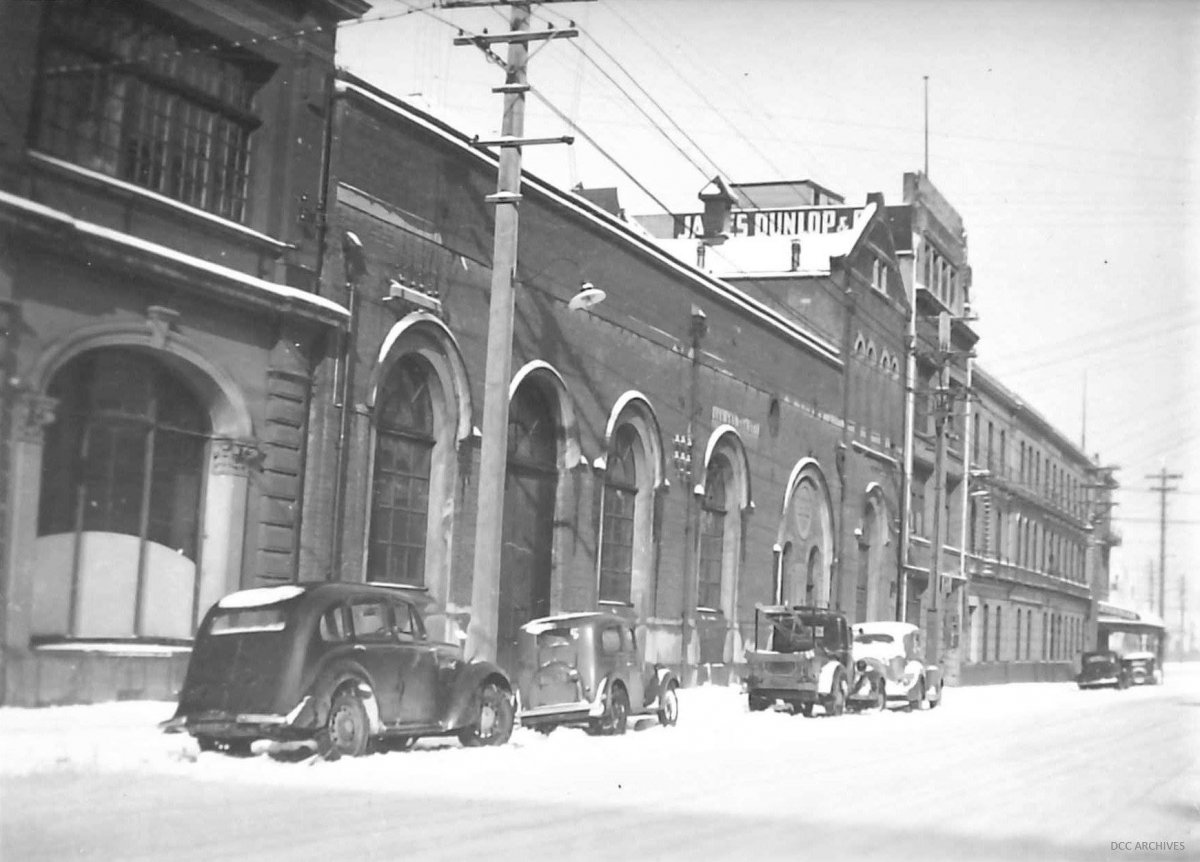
[
  {"x": 620, "y": 504},
  {"x": 712, "y": 531},
  {"x": 404, "y": 443},
  {"x": 122, "y": 481}
]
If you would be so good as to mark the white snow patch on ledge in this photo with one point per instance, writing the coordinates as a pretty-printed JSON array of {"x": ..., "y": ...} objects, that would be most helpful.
[
  {"x": 280, "y": 291},
  {"x": 260, "y": 597},
  {"x": 114, "y": 648}
]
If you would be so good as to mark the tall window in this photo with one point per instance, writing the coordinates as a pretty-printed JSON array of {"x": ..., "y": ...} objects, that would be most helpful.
[
  {"x": 620, "y": 501},
  {"x": 712, "y": 532},
  {"x": 1017, "y": 639},
  {"x": 999, "y": 631},
  {"x": 400, "y": 491},
  {"x": 133, "y": 93},
  {"x": 121, "y": 485},
  {"x": 984, "y": 640}
]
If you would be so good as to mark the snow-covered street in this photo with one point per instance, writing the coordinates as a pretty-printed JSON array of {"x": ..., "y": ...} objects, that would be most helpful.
[{"x": 1040, "y": 771}]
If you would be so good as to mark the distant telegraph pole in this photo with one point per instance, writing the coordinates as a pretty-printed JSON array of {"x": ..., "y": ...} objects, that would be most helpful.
[
  {"x": 1163, "y": 489},
  {"x": 493, "y": 454}
]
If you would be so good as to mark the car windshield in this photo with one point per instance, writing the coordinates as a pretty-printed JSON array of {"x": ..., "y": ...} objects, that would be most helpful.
[
  {"x": 873, "y": 638},
  {"x": 794, "y": 632},
  {"x": 241, "y": 620}
]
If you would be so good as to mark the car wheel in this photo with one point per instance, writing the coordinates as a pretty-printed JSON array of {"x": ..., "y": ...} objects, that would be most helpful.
[
  {"x": 347, "y": 729},
  {"x": 616, "y": 713},
  {"x": 757, "y": 703},
  {"x": 934, "y": 703},
  {"x": 805, "y": 709},
  {"x": 919, "y": 703},
  {"x": 835, "y": 701},
  {"x": 668, "y": 712},
  {"x": 494, "y": 723}
]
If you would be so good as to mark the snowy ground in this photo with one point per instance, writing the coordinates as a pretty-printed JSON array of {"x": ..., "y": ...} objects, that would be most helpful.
[{"x": 1040, "y": 769}]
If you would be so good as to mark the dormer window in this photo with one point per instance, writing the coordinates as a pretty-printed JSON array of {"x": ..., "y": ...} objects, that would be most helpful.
[{"x": 129, "y": 92}]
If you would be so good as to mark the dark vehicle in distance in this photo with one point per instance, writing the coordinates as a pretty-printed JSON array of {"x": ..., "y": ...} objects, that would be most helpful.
[
  {"x": 589, "y": 670},
  {"x": 342, "y": 664},
  {"x": 1141, "y": 668},
  {"x": 801, "y": 657},
  {"x": 1102, "y": 669}
]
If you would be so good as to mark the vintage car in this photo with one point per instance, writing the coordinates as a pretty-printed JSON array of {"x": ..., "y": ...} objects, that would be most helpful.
[
  {"x": 341, "y": 664},
  {"x": 895, "y": 651},
  {"x": 1102, "y": 669},
  {"x": 801, "y": 658},
  {"x": 589, "y": 670},
  {"x": 1141, "y": 668}
]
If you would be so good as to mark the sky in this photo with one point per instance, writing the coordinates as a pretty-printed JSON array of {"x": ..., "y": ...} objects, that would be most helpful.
[{"x": 1065, "y": 132}]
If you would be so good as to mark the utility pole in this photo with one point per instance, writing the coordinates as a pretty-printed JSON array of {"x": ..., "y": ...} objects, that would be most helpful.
[
  {"x": 493, "y": 456},
  {"x": 1163, "y": 489}
]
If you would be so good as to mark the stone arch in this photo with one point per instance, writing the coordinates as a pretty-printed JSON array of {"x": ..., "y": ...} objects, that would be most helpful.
[
  {"x": 873, "y": 537},
  {"x": 231, "y": 452},
  {"x": 420, "y": 343},
  {"x": 631, "y": 411},
  {"x": 545, "y": 375},
  {"x": 806, "y": 522}
]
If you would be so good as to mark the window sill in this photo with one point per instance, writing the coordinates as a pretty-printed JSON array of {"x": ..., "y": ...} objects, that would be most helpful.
[{"x": 135, "y": 192}]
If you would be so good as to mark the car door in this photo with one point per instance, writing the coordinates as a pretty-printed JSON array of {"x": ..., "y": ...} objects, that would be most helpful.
[
  {"x": 377, "y": 650},
  {"x": 419, "y": 695}
]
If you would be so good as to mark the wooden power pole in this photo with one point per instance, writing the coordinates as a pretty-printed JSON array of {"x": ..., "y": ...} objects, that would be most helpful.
[
  {"x": 493, "y": 456},
  {"x": 1163, "y": 489}
]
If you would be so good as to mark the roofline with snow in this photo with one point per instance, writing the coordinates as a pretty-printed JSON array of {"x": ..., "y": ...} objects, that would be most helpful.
[
  {"x": 349, "y": 84},
  {"x": 26, "y": 214}
]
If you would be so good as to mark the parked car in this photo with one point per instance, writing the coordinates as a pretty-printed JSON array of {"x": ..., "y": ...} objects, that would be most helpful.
[
  {"x": 343, "y": 664},
  {"x": 895, "y": 652},
  {"x": 1102, "y": 669},
  {"x": 1142, "y": 668},
  {"x": 589, "y": 670},
  {"x": 800, "y": 657}
]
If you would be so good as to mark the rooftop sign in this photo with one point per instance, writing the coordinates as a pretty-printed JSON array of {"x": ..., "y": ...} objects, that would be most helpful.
[{"x": 780, "y": 222}]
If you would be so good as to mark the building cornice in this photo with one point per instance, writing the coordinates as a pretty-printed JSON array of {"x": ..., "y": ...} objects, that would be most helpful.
[{"x": 98, "y": 243}]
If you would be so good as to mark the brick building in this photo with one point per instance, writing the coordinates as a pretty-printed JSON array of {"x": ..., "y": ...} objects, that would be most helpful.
[
  {"x": 679, "y": 448},
  {"x": 160, "y": 172}
]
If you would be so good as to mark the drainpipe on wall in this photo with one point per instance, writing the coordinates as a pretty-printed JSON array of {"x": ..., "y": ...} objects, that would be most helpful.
[
  {"x": 910, "y": 377},
  {"x": 835, "y": 596},
  {"x": 356, "y": 267}
]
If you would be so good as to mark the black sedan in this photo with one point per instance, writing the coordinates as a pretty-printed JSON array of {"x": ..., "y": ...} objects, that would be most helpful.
[{"x": 341, "y": 664}]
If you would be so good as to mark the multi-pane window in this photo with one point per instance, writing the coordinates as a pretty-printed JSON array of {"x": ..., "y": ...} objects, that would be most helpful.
[
  {"x": 620, "y": 498},
  {"x": 122, "y": 475},
  {"x": 400, "y": 495},
  {"x": 132, "y": 93},
  {"x": 712, "y": 533}
]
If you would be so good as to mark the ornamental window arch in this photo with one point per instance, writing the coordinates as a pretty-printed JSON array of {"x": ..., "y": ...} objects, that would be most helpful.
[
  {"x": 420, "y": 408},
  {"x": 142, "y": 467},
  {"x": 632, "y": 469}
]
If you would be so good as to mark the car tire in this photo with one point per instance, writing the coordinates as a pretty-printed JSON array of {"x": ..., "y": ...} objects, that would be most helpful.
[
  {"x": 758, "y": 703},
  {"x": 805, "y": 709},
  {"x": 615, "y": 720},
  {"x": 668, "y": 711},
  {"x": 934, "y": 703},
  {"x": 493, "y": 723},
  {"x": 920, "y": 702},
  {"x": 347, "y": 728},
  {"x": 835, "y": 701}
]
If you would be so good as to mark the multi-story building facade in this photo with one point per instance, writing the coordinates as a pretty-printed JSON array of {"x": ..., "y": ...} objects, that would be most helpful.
[
  {"x": 160, "y": 174},
  {"x": 1039, "y": 533},
  {"x": 680, "y": 449},
  {"x": 931, "y": 243}
]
